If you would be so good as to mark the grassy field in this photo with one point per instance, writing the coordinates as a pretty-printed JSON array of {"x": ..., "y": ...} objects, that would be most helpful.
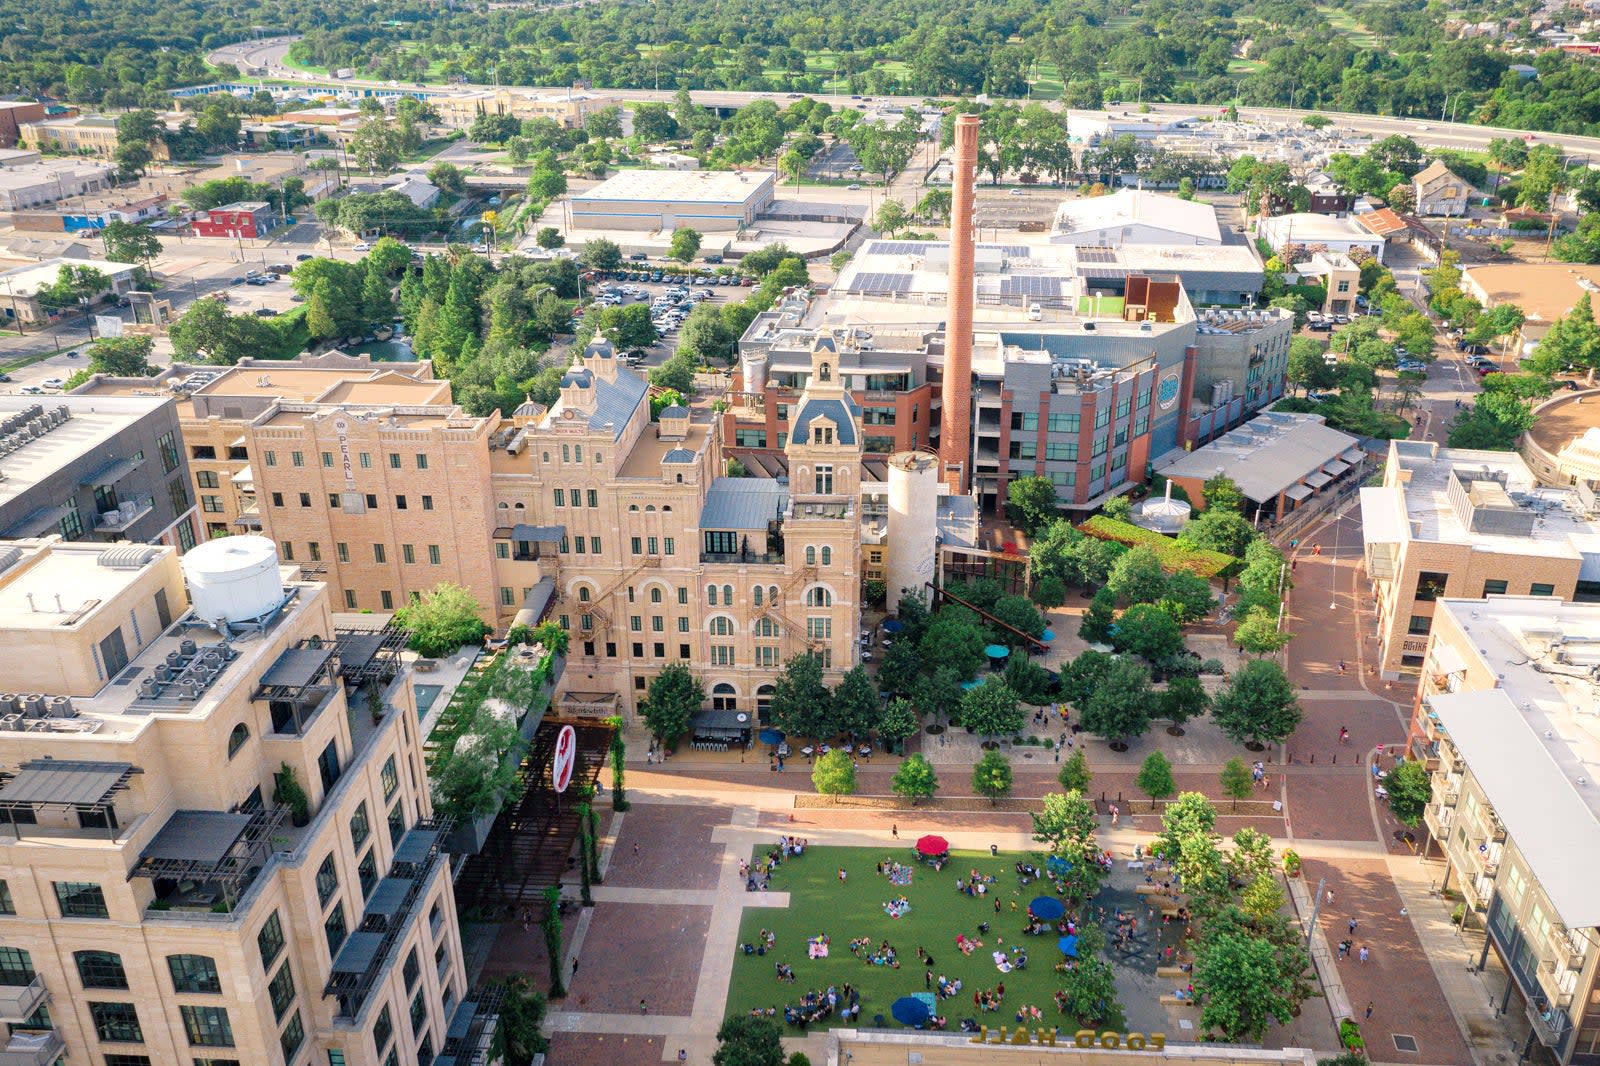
[
  {"x": 1343, "y": 21},
  {"x": 819, "y": 905}
]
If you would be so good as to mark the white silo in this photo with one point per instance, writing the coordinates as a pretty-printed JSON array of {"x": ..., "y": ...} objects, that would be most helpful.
[
  {"x": 754, "y": 365},
  {"x": 233, "y": 579},
  {"x": 913, "y": 522}
]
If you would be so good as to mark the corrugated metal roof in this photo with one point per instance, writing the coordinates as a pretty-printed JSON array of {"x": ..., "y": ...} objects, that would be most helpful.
[
  {"x": 742, "y": 503},
  {"x": 678, "y": 455},
  {"x": 615, "y": 401}
]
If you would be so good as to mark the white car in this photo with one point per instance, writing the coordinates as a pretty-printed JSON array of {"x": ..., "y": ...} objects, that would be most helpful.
[
  {"x": 53, "y": 383},
  {"x": 364, "y": 246}
]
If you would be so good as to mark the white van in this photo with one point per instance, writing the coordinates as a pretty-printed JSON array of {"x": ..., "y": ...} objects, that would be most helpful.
[{"x": 1035, "y": 312}]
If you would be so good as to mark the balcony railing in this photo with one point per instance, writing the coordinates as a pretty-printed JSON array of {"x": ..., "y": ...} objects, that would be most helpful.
[
  {"x": 31, "y": 1047},
  {"x": 1437, "y": 818},
  {"x": 127, "y": 513},
  {"x": 753, "y": 558},
  {"x": 18, "y": 1002},
  {"x": 1549, "y": 1019}
]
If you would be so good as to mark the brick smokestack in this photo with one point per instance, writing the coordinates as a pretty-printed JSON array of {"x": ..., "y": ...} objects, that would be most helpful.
[{"x": 955, "y": 426}]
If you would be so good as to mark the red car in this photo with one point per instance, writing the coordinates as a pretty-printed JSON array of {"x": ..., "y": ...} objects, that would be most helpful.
[{"x": 1485, "y": 369}]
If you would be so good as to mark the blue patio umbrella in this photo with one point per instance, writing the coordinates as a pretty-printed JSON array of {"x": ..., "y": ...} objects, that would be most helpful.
[
  {"x": 1047, "y": 908},
  {"x": 1048, "y": 635},
  {"x": 1056, "y": 866},
  {"x": 909, "y": 1010},
  {"x": 1068, "y": 945},
  {"x": 968, "y": 686},
  {"x": 893, "y": 625},
  {"x": 771, "y": 736},
  {"x": 997, "y": 651}
]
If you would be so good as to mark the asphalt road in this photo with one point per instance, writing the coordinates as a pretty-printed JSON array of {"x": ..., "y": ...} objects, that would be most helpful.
[{"x": 270, "y": 55}]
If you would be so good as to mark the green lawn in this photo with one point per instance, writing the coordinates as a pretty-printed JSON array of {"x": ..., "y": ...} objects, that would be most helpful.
[{"x": 820, "y": 905}]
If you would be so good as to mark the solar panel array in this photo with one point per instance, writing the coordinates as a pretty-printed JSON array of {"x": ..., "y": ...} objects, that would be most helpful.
[
  {"x": 1030, "y": 285},
  {"x": 874, "y": 281},
  {"x": 898, "y": 247},
  {"x": 1097, "y": 255}
]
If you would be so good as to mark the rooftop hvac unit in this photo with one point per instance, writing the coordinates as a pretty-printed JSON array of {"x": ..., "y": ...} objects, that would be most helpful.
[
  {"x": 11, "y": 722},
  {"x": 33, "y": 704},
  {"x": 60, "y": 707},
  {"x": 149, "y": 688},
  {"x": 10, "y": 703},
  {"x": 1221, "y": 392},
  {"x": 186, "y": 647},
  {"x": 188, "y": 690}
]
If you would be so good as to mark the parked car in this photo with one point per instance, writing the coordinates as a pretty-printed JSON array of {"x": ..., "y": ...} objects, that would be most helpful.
[
  {"x": 853, "y": 188},
  {"x": 5, "y": 378},
  {"x": 1485, "y": 369},
  {"x": 53, "y": 383},
  {"x": 1411, "y": 366},
  {"x": 363, "y": 246},
  {"x": 303, "y": 256},
  {"x": 266, "y": 312},
  {"x": 31, "y": 390}
]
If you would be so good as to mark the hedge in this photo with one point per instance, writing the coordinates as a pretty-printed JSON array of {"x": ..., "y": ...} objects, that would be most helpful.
[{"x": 1206, "y": 564}]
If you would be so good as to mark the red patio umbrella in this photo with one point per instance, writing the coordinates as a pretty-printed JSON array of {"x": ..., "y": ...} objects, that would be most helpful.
[{"x": 932, "y": 845}]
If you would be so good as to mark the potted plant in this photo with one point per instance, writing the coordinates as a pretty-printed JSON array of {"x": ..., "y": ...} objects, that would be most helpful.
[
  {"x": 1350, "y": 1036},
  {"x": 1291, "y": 862},
  {"x": 375, "y": 703},
  {"x": 288, "y": 793}
]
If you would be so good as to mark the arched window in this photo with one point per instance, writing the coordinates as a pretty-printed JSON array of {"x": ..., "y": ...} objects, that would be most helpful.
[
  {"x": 827, "y": 555},
  {"x": 824, "y": 373},
  {"x": 764, "y": 698},
  {"x": 666, "y": 507},
  {"x": 236, "y": 739},
  {"x": 755, "y": 596},
  {"x": 583, "y": 593},
  {"x": 655, "y": 594},
  {"x": 724, "y": 698},
  {"x": 819, "y": 597},
  {"x": 194, "y": 973},
  {"x": 766, "y": 627},
  {"x": 633, "y": 507},
  {"x": 727, "y": 595},
  {"x": 722, "y": 626},
  {"x": 519, "y": 506},
  {"x": 100, "y": 969},
  {"x": 811, "y": 555},
  {"x": 711, "y": 595},
  {"x": 503, "y": 505},
  {"x": 649, "y": 507},
  {"x": 772, "y": 594}
]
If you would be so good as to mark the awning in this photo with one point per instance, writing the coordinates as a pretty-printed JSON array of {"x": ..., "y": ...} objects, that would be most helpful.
[
  {"x": 1447, "y": 659},
  {"x": 246, "y": 476},
  {"x": 538, "y": 534},
  {"x": 1335, "y": 468},
  {"x": 358, "y": 954},
  {"x": 111, "y": 472},
  {"x": 728, "y": 721},
  {"x": 64, "y": 783},
  {"x": 297, "y": 667},
  {"x": 389, "y": 898},
  {"x": 240, "y": 443},
  {"x": 1352, "y": 455},
  {"x": 40, "y": 519},
  {"x": 1297, "y": 492},
  {"x": 197, "y": 836},
  {"x": 416, "y": 846},
  {"x": 1317, "y": 479},
  {"x": 537, "y": 601}
]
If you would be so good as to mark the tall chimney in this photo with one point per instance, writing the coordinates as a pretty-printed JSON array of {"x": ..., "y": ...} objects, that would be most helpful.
[{"x": 955, "y": 425}]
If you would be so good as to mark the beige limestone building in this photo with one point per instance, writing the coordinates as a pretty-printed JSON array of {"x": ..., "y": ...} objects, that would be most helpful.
[
  {"x": 1505, "y": 721},
  {"x": 162, "y": 900},
  {"x": 1453, "y": 522}
]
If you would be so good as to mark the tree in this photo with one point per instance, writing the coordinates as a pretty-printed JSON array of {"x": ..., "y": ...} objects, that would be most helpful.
[
  {"x": 1410, "y": 791},
  {"x": 1066, "y": 823},
  {"x": 674, "y": 696},
  {"x": 939, "y": 692},
  {"x": 747, "y": 1041},
  {"x": 1155, "y": 778},
  {"x": 1184, "y": 698},
  {"x": 1137, "y": 577},
  {"x": 1239, "y": 982},
  {"x": 1101, "y": 615},
  {"x": 1148, "y": 632},
  {"x": 1217, "y": 529},
  {"x": 892, "y": 217},
  {"x": 319, "y": 317},
  {"x": 549, "y": 238},
  {"x": 1031, "y": 682},
  {"x": 1019, "y": 613},
  {"x": 991, "y": 776},
  {"x": 685, "y": 244},
  {"x": 1258, "y": 632},
  {"x": 126, "y": 356},
  {"x": 800, "y": 699},
  {"x": 376, "y": 145},
  {"x": 1190, "y": 815},
  {"x": 207, "y": 330},
  {"x": 377, "y": 305},
  {"x": 629, "y": 328},
  {"x": 441, "y": 620},
  {"x": 1187, "y": 597},
  {"x": 388, "y": 257},
  {"x": 546, "y": 182},
  {"x": 901, "y": 667},
  {"x": 915, "y": 780},
  {"x": 1236, "y": 780},
  {"x": 898, "y": 721},
  {"x": 126, "y": 242},
  {"x": 1222, "y": 492},
  {"x": 1121, "y": 704},
  {"x": 991, "y": 709},
  {"x": 1075, "y": 775},
  {"x": 834, "y": 774},
  {"x": 1031, "y": 502},
  {"x": 1258, "y": 706},
  {"x": 448, "y": 178},
  {"x": 855, "y": 703},
  {"x": 1089, "y": 989},
  {"x": 960, "y": 638},
  {"x": 600, "y": 254}
]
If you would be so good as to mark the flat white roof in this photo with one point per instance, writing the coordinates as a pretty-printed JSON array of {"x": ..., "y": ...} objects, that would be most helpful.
[
  {"x": 1267, "y": 455},
  {"x": 1127, "y": 207},
  {"x": 680, "y": 186},
  {"x": 29, "y": 278},
  {"x": 1534, "y": 742},
  {"x": 1306, "y": 228},
  {"x": 95, "y": 420}
]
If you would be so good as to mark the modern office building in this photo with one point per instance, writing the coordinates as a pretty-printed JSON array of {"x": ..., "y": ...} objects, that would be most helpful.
[
  {"x": 94, "y": 469},
  {"x": 657, "y": 200},
  {"x": 166, "y": 900},
  {"x": 1505, "y": 721},
  {"x": 1081, "y": 373},
  {"x": 1456, "y": 522}
]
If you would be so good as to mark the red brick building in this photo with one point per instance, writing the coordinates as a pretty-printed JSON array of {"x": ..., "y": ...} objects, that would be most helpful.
[{"x": 248, "y": 220}]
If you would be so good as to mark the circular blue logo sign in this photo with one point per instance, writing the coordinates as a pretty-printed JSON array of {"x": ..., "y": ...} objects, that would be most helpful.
[{"x": 1167, "y": 391}]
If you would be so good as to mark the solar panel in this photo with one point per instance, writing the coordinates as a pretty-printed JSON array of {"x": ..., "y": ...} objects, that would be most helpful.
[
  {"x": 1097, "y": 255},
  {"x": 1030, "y": 285},
  {"x": 875, "y": 281},
  {"x": 898, "y": 248}
]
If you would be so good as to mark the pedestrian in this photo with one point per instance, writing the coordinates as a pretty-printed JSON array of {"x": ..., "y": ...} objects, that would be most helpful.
[
  {"x": 997, "y": 906},
  {"x": 994, "y": 850},
  {"x": 894, "y": 831},
  {"x": 1352, "y": 926},
  {"x": 1328, "y": 899},
  {"x": 1344, "y": 949},
  {"x": 644, "y": 1008},
  {"x": 1369, "y": 1010},
  {"x": 1293, "y": 543},
  {"x": 1294, "y": 564},
  {"x": 1344, "y": 735},
  {"x": 927, "y": 979},
  {"x": 1362, "y": 954},
  {"x": 1404, "y": 912},
  {"x": 1341, "y": 667},
  {"x": 841, "y": 875},
  {"x": 1316, "y": 549},
  {"x": 636, "y": 849},
  {"x": 1114, "y": 816}
]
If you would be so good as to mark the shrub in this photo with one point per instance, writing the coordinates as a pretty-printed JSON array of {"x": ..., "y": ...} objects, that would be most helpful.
[
  {"x": 1211, "y": 666},
  {"x": 1203, "y": 563}
]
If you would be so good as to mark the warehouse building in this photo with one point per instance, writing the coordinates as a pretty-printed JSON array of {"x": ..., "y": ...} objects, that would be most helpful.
[{"x": 657, "y": 200}]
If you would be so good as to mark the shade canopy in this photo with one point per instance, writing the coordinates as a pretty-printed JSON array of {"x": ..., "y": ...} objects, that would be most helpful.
[
  {"x": 1068, "y": 945},
  {"x": 1047, "y": 908},
  {"x": 997, "y": 651},
  {"x": 771, "y": 736},
  {"x": 1048, "y": 635},
  {"x": 893, "y": 625},
  {"x": 909, "y": 1010},
  {"x": 932, "y": 845},
  {"x": 1056, "y": 866},
  {"x": 968, "y": 686}
]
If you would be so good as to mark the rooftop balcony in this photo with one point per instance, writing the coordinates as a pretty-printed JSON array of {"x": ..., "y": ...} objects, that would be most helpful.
[
  {"x": 127, "y": 513},
  {"x": 18, "y": 1002},
  {"x": 32, "y": 1047}
]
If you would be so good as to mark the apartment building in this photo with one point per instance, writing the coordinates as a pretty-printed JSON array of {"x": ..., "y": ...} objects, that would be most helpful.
[
  {"x": 155, "y": 914},
  {"x": 97, "y": 470},
  {"x": 1077, "y": 376},
  {"x": 52, "y": 181},
  {"x": 459, "y": 107},
  {"x": 216, "y": 405},
  {"x": 1456, "y": 522},
  {"x": 1505, "y": 722}
]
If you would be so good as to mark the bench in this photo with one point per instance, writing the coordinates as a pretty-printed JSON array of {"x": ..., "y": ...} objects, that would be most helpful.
[
  {"x": 1153, "y": 890},
  {"x": 1176, "y": 1001},
  {"x": 425, "y": 666},
  {"x": 1174, "y": 972},
  {"x": 1169, "y": 912}
]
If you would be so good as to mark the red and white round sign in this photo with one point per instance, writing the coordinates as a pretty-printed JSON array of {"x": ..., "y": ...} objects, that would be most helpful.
[{"x": 566, "y": 757}]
